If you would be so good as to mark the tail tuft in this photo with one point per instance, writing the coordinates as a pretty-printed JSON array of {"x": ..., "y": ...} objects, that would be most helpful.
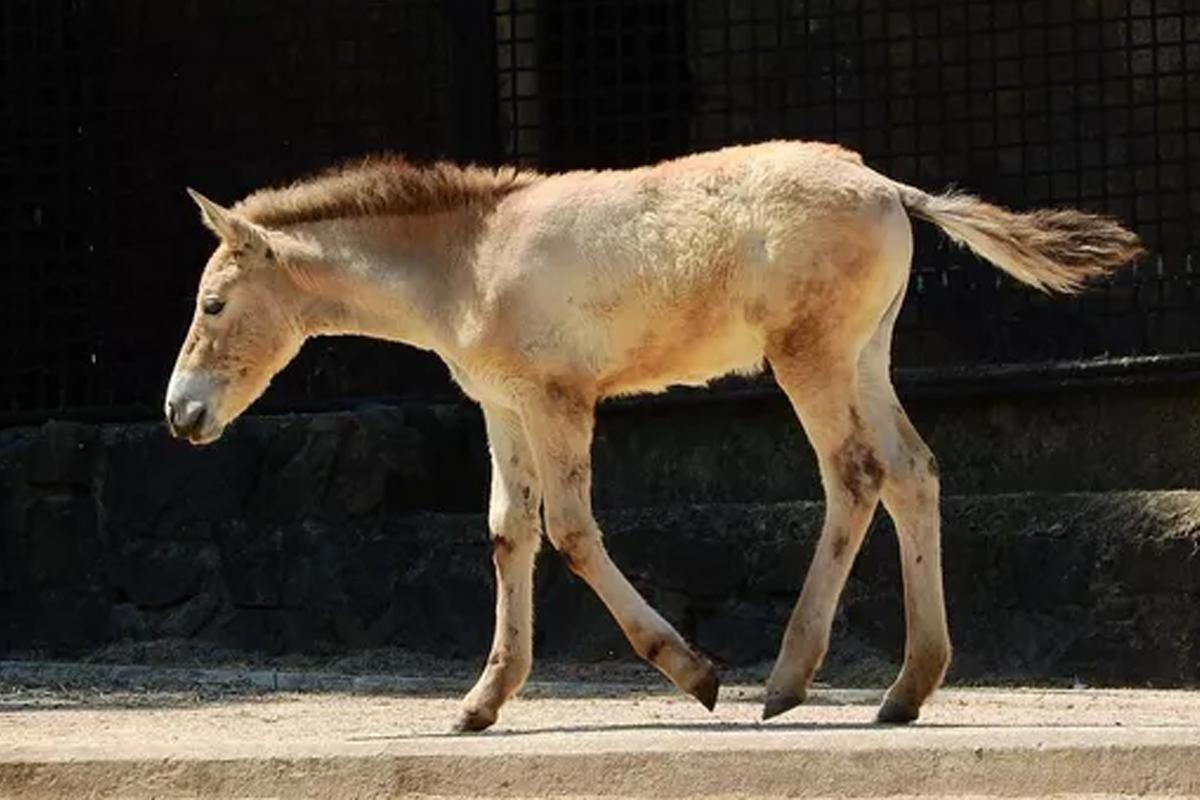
[{"x": 1055, "y": 250}]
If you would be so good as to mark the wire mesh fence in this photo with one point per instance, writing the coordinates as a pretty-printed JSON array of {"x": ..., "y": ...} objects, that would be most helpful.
[
  {"x": 1081, "y": 103},
  {"x": 111, "y": 107}
]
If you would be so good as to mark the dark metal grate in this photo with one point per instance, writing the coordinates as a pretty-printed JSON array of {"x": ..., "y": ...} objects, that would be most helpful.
[
  {"x": 1085, "y": 104},
  {"x": 110, "y": 108}
]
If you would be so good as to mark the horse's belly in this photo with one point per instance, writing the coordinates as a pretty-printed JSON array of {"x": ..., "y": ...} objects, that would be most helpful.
[{"x": 655, "y": 364}]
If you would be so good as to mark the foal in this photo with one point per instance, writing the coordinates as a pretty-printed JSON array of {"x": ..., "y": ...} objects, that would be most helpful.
[{"x": 546, "y": 294}]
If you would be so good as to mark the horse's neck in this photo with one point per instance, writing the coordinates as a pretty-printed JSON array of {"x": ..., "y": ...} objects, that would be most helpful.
[{"x": 399, "y": 279}]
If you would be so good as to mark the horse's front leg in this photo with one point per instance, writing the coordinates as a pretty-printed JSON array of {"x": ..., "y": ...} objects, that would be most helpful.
[
  {"x": 559, "y": 424},
  {"x": 514, "y": 523}
]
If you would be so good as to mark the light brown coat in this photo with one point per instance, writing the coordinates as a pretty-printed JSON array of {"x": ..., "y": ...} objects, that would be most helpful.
[{"x": 546, "y": 294}]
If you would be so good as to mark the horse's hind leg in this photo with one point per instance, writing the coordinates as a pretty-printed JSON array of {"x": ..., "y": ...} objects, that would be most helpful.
[
  {"x": 824, "y": 393},
  {"x": 910, "y": 494}
]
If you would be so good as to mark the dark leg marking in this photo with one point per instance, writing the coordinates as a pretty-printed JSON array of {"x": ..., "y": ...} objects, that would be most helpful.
[
  {"x": 577, "y": 474},
  {"x": 859, "y": 469},
  {"x": 568, "y": 398},
  {"x": 571, "y": 548},
  {"x": 839, "y": 546}
]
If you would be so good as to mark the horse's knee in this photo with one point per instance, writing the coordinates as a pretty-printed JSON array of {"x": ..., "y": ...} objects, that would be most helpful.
[
  {"x": 513, "y": 520},
  {"x": 574, "y": 535},
  {"x": 912, "y": 469}
]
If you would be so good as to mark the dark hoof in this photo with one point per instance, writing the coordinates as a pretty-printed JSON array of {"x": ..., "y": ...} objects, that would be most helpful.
[
  {"x": 706, "y": 690},
  {"x": 779, "y": 702},
  {"x": 473, "y": 721},
  {"x": 894, "y": 713}
]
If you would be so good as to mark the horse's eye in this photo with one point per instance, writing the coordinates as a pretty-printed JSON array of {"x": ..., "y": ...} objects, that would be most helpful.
[{"x": 213, "y": 305}]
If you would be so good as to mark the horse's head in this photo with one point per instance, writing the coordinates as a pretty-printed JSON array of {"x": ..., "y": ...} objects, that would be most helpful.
[{"x": 246, "y": 328}]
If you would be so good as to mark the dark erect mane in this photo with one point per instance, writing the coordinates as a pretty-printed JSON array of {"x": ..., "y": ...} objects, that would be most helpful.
[{"x": 381, "y": 186}]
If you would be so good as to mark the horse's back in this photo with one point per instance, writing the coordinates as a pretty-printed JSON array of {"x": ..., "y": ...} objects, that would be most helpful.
[
  {"x": 675, "y": 214},
  {"x": 677, "y": 272}
]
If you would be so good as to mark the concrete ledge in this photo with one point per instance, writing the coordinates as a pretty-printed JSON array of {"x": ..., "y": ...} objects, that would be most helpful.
[{"x": 987, "y": 743}]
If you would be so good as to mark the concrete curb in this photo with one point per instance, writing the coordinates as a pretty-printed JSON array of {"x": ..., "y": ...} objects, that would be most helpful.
[
  {"x": 1026, "y": 743},
  {"x": 1032, "y": 772}
]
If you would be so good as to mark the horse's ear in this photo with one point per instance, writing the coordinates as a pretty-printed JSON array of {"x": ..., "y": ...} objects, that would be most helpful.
[{"x": 224, "y": 223}]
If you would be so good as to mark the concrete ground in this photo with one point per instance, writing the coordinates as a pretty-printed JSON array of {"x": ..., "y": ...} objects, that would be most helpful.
[{"x": 374, "y": 739}]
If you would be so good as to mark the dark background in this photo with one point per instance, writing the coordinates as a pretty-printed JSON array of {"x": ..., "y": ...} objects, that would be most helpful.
[{"x": 110, "y": 108}]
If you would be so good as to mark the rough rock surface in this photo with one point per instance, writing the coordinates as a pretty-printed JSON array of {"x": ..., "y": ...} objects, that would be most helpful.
[{"x": 339, "y": 532}]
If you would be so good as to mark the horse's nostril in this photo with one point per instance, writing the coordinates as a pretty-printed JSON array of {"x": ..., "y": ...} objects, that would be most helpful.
[{"x": 186, "y": 417}]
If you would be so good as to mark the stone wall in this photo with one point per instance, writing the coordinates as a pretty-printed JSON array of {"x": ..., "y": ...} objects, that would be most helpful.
[{"x": 334, "y": 532}]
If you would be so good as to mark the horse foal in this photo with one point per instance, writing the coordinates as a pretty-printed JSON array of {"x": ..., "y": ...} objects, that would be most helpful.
[{"x": 544, "y": 294}]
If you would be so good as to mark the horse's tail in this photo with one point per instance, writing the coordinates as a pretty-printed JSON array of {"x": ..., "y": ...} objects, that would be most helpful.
[{"x": 1055, "y": 250}]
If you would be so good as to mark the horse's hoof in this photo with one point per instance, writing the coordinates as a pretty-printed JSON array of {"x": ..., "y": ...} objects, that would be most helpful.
[
  {"x": 896, "y": 713},
  {"x": 473, "y": 720},
  {"x": 707, "y": 688},
  {"x": 779, "y": 702}
]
